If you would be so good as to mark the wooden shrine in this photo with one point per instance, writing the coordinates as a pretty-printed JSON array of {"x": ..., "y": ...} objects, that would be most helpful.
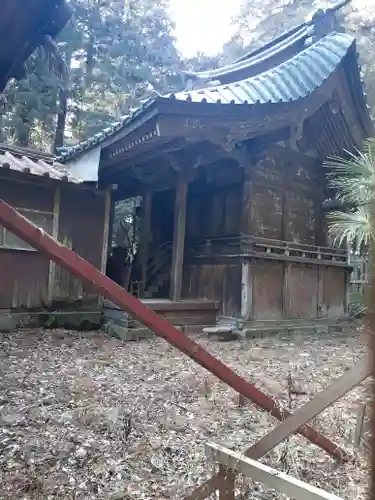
[{"x": 230, "y": 173}]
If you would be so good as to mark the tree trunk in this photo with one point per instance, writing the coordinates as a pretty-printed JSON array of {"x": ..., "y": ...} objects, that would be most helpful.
[
  {"x": 61, "y": 120},
  {"x": 23, "y": 129}
]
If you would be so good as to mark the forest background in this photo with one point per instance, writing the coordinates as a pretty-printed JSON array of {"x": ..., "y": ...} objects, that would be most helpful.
[{"x": 121, "y": 51}]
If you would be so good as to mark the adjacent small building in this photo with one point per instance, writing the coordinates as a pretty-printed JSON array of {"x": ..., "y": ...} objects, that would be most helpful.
[
  {"x": 230, "y": 171},
  {"x": 74, "y": 213}
]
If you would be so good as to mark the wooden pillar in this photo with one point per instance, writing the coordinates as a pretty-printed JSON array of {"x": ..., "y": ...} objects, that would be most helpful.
[
  {"x": 107, "y": 233},
  {"x": 111, "y": 223},
  {"x": 286, "y": 292},
  {"x": 55, "y": 236},
  {"x": 144, "y": 243},
  {"x": 246, "y": 290},
  {"x": 178, "y": 238},
  {"x": 106, "y": 230},
  {"x": 247, "y": 200},
  {"x": 320, "y": 301}
]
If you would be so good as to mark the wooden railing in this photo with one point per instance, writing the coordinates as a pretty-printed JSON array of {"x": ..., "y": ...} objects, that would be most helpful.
[
  {"x": 158, "y": 260},
  {"x": 253, "y": 246},
  {"x": 248, "y": 246},
  {"x": 232, "y": 463}
]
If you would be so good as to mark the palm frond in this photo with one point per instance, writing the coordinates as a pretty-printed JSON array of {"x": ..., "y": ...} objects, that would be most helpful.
[
  {"x": 56, "y": 64},
  {"x": 353, "y": 177},
  {"x": 353, "y": 228}
]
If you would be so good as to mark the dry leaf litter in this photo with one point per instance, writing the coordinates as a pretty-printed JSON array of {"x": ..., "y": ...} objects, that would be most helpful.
[{"x": 85, "y": 416}]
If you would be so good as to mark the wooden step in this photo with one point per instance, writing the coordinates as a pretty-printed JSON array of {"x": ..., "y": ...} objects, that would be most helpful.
[{"x": 189, "y": 316}]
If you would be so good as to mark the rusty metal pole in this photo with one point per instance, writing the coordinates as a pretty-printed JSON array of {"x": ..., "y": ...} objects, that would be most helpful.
[{"x": 101, "y": 284}]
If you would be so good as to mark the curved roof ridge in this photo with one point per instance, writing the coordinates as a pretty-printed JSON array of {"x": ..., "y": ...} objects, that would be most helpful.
[
  {"x": 316, "y": 61},
  {"x": 273, "y": 49}
]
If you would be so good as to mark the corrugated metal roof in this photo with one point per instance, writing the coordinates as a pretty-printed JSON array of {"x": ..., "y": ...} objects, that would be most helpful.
[
  {"x": 290, "y": 81},
  {"x": 34, "y": 164}
]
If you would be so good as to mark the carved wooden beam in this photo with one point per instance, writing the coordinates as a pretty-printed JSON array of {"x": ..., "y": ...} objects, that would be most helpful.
[
  {"x": 147, "y": 176},
  {"x": 292, "y": 154},
  {"x": 296, "y": 134}
]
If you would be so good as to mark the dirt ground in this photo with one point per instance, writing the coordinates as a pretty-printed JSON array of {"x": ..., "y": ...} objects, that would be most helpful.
[{"x": 85, "y": 416}]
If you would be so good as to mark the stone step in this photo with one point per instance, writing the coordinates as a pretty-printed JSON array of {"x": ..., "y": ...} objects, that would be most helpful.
[
  {"x": 223, "y": 333},
  {"x": 129, "y": 334}
]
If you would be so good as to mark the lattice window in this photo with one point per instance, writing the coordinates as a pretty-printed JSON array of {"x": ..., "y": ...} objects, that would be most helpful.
[{"x": 9, "y": 240}]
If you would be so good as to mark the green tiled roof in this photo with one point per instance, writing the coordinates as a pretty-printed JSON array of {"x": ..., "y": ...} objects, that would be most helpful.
[{"x": 290, "y": 81}]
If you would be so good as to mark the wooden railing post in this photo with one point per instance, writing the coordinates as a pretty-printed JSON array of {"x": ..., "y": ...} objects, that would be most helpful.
[{"x": 226, "y": 488}]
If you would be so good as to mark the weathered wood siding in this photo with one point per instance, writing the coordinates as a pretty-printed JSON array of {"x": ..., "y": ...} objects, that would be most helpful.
[
  {"x": 278, "y": 198},
  {"x": 24, "y": 273},
  {"x": 215, "y": 204},
  {"x": 267, "y": 288},
  {"x": 334, "y": 292},
  {"x": 81, "y": 227},
  {"x": 301, "y": 292},
  {"x": 215, "y": 281},
  {"x": 283, "y": 290},
  {"x": 162, "y": 217},
  {"x": 281, "y": 201}
]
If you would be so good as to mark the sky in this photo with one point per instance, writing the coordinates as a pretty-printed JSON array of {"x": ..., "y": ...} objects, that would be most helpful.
[{"x": 203, "y": 25}]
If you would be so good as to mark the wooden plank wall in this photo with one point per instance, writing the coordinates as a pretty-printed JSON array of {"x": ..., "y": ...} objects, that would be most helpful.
[
  {"x": 81, "y": 227},
  {"x": 279, "y": 199},
  {"x": 280, "y": 290},
  {"x": 214, "y": 211},
  {"x": 25, "y": 273},
  {"x": 219, "y": 281}
]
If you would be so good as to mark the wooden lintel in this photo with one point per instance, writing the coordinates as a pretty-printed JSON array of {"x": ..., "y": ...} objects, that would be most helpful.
[
  {"x": 158, "y": 174},
  {"x": 178, "y": 238},
  {"x": 227, "y": 134},
  {"x": 184, "y": 162},
  {"x": 277, "y": 186}
]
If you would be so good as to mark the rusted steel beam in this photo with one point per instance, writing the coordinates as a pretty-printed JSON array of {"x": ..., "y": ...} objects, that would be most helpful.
[{"x": 101, "y": 284}]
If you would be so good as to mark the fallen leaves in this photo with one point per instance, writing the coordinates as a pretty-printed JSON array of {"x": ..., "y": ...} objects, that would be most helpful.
[{"x": 84, "y": 416}]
